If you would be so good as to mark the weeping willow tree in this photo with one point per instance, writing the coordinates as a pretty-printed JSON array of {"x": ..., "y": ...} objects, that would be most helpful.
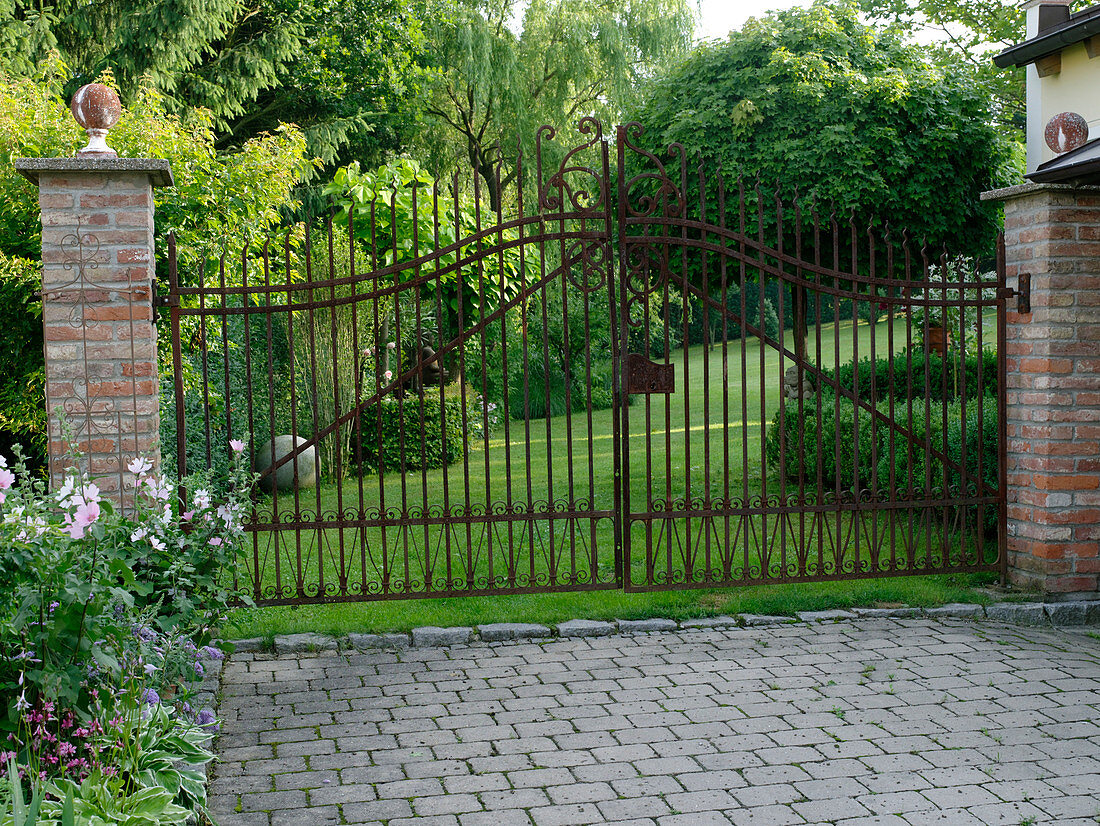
[{"x": 505, "y": 67}]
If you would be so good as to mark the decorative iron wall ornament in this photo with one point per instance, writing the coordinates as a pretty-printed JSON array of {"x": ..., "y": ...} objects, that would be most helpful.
[{"x": 88, "y": 394}]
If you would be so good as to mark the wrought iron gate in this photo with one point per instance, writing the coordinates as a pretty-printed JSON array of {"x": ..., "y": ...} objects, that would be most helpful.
[{"x": 651, "y": 390}]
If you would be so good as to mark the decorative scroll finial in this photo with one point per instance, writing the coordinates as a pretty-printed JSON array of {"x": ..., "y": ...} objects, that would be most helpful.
[{"x": 96, "y": 108}]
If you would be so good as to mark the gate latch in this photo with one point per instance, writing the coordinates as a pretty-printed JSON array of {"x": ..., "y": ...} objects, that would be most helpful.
[{"x": 645, "y": 376}]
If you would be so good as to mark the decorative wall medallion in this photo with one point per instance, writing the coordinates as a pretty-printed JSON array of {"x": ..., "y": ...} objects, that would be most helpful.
[{"x": 1066, "y": 131}]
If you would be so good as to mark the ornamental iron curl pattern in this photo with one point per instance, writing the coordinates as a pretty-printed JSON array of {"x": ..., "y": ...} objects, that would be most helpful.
[
  {"x": 85, "y": 418},
  {"x": 765, "y": 461}
]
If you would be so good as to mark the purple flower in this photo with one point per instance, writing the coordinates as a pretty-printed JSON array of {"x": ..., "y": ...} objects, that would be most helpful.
[
  {"x": 150, "y": 697},
  {"x": 207, "y": 720},
  {"x": 145, "y": 633},
  {"x": 212, "y": 653}
]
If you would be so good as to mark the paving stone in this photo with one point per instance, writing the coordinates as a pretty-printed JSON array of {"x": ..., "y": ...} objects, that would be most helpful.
[
  {"x": 430, "y": 636},
  {"x": 825, "y": 616},
  {"x": 1025, "y": 613},
  {"x": 501, "y": 631},
  {"x": 585, "y": 628},
  {"x": 898, "y": 721},
  {"x": 304, "y": 643},
  {"x": 1074, "y": 613},
  {"x": 646, "y": 625},
  {"x": 959, "y": 610},
  {"x": 369, "y": 641}
]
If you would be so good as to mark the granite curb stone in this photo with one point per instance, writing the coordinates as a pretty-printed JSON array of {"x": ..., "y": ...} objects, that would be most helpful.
[
  {"x": 888, "y": 613},
  {"x": 1074, "y": 613},
  {"x": 585, "y": 628},
  {"x": 711, "y": 622},
  {"x": 360, "y": 641},
  {"x": 1078, "y": 613},
  {"x": 1028, "y": 613},
  {"x": 826, "y": 616},
  {"x": 431, "y": 636},
  {"x": 960, "y": 610},
  {"x": 766, "y": 619},
  {"x": 503, "y": 631},
  {"x": 304, "y": 643},
  {"x": 646, "y": 625}
]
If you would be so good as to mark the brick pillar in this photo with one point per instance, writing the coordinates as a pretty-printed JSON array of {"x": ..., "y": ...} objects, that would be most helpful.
[
  {"x": 1052, "y": 233},
  {"x": 98, "y": 272}
]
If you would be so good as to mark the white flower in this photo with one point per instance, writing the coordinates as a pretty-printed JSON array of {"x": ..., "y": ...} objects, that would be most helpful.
[
  {"x": 139, "y": 535},
  {"x": 156, "y": 543},
  {"x": 390, "y": 345},
  {"x": 201, "y": 500},
  {"x": 140, "y": 466},
  {"x": 237, "y": 445},
  {"x": 65, "y": 492}
]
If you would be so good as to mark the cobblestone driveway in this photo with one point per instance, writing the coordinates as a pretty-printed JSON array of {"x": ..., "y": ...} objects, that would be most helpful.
[{"x": 885, "y": 722}]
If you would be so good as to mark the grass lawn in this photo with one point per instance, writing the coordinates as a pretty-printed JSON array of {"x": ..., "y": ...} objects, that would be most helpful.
[{"x": 538, "y": 462}]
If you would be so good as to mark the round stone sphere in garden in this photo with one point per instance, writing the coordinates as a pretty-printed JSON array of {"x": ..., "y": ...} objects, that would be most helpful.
[
  {"x": 96, "y": 108},
  {"x": 1066, "y": 131},
  {"x": 307, "y": 463}
]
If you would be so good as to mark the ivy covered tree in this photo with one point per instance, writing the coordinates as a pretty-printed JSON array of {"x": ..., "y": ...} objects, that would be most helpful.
[
  {"x": 502, "y": 68},
  {"x": 814, "y": 100}
]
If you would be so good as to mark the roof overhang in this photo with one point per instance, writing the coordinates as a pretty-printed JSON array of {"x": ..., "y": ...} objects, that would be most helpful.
[
  {"x": 1080, "y": 167},
  {"x": 1078, "y": 28}
]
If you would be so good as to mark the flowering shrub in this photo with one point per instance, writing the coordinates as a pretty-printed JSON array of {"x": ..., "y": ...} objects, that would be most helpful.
[
  {"x": 79, "y": 572},
  {"x": 104, "y": 623}
]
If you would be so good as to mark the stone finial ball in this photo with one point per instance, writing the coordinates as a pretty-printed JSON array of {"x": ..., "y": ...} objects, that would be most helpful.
[
  {"x": 96, "y": 106},
  {"x": 1066, "y": 131}
]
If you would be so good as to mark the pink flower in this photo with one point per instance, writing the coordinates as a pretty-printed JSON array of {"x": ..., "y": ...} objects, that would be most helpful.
[
  {"x": 237, "y": 445},
  {"x": 390, "y": 345},
  {"x": 215, "y": 541},
  {"x": 139, "y": 466},
  {"x": 7, "y": 479},
  {"x": 388, "y": 375}
]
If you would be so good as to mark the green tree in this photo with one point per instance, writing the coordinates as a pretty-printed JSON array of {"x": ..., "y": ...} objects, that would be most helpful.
[
  {"x": 505, "y": 67},
  {"x": 342, "y": 71},
  {"x": 970, "y": 31},
  {"x": 818, "y": 102},
  {"x": 354, "y": 88},
  {"x": 218, "y": 199}
]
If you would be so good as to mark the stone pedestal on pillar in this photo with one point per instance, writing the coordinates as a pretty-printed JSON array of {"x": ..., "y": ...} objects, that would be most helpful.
[
  {"x": 1052, "y": 235},
  {"x": 98, "y": 276}
]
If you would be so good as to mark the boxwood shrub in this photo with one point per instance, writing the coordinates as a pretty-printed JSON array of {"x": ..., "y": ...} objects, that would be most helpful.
[{"x": 413, "y": 431}]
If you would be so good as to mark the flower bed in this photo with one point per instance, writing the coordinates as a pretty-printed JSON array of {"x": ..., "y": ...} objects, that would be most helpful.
[{"x": 106, "y": 622}]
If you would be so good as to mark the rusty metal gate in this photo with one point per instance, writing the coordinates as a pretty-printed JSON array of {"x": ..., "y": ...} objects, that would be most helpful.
[{"x": 570, "y": 375}]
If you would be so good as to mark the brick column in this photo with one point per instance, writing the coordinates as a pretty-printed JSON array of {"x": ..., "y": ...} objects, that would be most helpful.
[
  {"x": 98, "y": 273},
  {"x": 1052, "y": 233}
]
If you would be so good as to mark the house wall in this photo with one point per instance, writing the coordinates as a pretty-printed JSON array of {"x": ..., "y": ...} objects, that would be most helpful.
[{"x": 1076, "y": 88}]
